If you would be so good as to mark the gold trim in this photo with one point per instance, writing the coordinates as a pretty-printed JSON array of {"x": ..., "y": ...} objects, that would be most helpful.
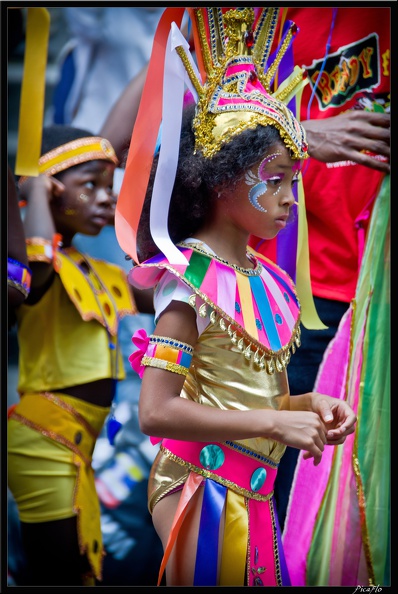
[
  {"x": 162, "y": 364},
  {"x": 218, "y": 479},
  {"x": 74, "y": 153}
]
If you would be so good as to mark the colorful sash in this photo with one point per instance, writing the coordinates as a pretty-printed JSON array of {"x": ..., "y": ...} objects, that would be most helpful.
[
  {"x": 260, "y": 303},
  {"x": 343, "y": 537},
  {"x": 241, "y": 482}
]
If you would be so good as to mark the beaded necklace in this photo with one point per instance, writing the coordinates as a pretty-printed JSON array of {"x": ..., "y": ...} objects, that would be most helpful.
[{"x": 256, "y": 271}]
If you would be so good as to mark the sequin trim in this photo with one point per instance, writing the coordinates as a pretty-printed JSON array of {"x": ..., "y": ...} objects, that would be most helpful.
[{"x": 162, "y": 364}]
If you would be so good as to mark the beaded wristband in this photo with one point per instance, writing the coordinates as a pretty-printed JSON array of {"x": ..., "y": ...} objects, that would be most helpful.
[
  {"x": 19, "y": 276},
  {"x": 169, "y": 354},
  {"x": 42, "y": 250}
]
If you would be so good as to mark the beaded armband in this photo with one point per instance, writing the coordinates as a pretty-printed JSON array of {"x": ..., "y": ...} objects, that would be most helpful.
[
  {"x": 167, "y": 353},
  {"x": 19, "y": 276},
  {"x": 42, "y": 250}
]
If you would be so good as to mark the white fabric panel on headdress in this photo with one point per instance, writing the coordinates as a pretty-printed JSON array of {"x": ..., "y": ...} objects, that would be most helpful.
[{"x": 175, "y": 78}]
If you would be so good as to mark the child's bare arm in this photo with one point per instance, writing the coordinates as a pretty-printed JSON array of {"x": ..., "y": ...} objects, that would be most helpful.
[{"x": 163, "y": 413}]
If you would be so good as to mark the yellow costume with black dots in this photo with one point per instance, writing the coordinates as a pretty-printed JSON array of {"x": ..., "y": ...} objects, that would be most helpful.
[{"x": 68, "y": 338}]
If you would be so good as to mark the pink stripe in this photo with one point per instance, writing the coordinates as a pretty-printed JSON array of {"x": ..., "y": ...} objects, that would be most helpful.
[
  {"x": 346, "y": 573},
  {"x": 237, "y": 467},
  {"x": 261, "y": 535},
  {"x": 226, "y": 291},
  {"x": 310, "y": 481},
  {"x": 151, "y": 350},
  {"x": 239, "y": 101},
  {"x": 289, "y": 311},
  {"x": 236, "y": 68},
  {"x": 210, "y": 281},
  {"x": 284, "y": 330}
]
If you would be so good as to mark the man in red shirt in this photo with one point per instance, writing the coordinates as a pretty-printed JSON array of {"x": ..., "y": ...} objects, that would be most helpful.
[{"x": 345, "y": 111}]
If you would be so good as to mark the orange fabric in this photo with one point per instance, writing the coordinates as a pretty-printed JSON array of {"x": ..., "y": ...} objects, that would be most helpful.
[
  {"x": 143, "y": 140},
  {"x": 192, "y": 483}
]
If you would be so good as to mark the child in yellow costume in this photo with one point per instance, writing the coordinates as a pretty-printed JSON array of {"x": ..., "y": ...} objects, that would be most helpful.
[{"x": 69, "y": 358}]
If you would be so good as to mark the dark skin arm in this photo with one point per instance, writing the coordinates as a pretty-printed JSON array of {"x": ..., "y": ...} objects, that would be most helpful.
[
  {"x": 347, "y": 135},
  {"x": 118, "y": 129},
  {"x": 16, "y": 238},
  {"x": 119, "y": 124}
]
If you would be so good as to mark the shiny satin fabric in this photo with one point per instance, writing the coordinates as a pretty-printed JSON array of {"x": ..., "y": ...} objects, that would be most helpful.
[{"x": 220, "y": 376}]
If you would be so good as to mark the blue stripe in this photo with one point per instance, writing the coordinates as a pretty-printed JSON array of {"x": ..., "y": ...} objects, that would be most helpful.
[
  {"x": 185, "y": 360},
  {"x": 207, "y": 553},
  {"x": 266, "y": 313}
]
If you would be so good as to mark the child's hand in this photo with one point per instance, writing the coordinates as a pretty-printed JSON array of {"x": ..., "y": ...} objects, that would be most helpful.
[
  {"x": 41, "y": 185},
  {"x": 338, "y": 416}
]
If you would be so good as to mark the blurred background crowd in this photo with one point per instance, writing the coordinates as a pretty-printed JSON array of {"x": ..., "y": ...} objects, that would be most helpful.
[{"x": 93, "y": 52}]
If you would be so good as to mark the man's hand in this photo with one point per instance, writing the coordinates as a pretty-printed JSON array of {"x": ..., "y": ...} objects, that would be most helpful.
[{"x": 351, "y": 136}]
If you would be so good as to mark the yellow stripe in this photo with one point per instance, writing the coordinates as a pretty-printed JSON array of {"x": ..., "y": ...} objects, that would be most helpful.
[
  {"x": 234, "y": 548},
  {"x": 309, "y": 315},
  {"x": 166, "y": 353},
  {"x": 32, "y": 92},
  {"x": 70, "y": 154},
  {"x": 247, "y": 305}
]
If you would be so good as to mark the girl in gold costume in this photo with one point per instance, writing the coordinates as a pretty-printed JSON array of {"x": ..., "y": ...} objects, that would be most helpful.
[
  {"x": 69, "y": 359},
  {"x": 214, "y": 385}
]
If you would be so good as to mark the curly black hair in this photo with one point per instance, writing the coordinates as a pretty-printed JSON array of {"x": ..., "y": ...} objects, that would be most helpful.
[{"x": 199, "y": 177}]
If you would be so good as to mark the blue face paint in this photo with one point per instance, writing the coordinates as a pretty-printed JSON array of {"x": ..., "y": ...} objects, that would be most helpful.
[{"x": 260, "y": 181}]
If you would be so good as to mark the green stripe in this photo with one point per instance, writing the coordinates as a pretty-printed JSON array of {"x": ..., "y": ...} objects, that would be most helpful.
[{"x": 198, "y": 266}]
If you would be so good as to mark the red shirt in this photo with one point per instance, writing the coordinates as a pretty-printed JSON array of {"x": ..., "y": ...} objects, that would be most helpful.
[{"x": 356, "y": 74}]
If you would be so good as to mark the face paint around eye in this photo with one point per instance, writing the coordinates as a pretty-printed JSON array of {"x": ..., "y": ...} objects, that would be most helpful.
[
  {"x": 260, "y": 172},
  {"x": 255, "y": 193},
  {"x": 260, "y": 181}
]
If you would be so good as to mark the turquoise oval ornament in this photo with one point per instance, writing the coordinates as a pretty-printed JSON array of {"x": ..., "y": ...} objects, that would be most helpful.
[
  {"x": 258, "y": 479},
  {"x": 212, "y": 457}
]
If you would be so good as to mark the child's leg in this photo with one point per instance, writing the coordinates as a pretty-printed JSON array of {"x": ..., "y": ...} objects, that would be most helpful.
[{"x": 180, "y": 568}]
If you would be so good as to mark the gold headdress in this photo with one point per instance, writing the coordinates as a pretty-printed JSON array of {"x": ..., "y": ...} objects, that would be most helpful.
[
  {"x": 235, "y": 51},
  {"x": 234, "y": 84},
  {"x": 232, "y": 89}
]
